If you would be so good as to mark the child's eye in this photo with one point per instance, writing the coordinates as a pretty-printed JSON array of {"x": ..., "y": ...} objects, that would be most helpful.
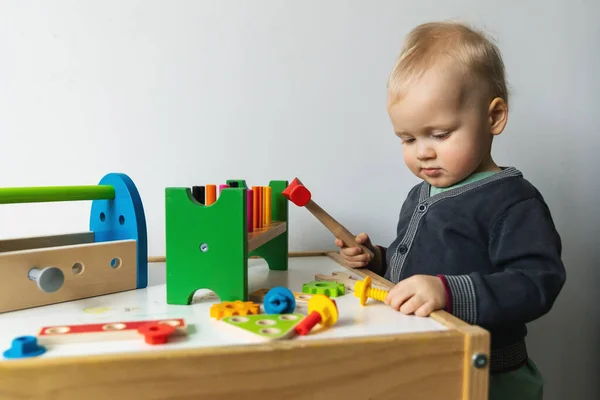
[
  {"x": 442, "y": 135},
  {"x": 408, "y": 140}
]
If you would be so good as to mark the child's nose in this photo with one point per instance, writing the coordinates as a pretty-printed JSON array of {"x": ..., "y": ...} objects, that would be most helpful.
[{"x": 425, "y": 152}]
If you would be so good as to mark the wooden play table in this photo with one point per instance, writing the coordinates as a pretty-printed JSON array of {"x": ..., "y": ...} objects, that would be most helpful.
[{"x": 373, "y": 352}]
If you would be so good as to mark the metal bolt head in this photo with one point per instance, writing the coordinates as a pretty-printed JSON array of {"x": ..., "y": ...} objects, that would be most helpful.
[
  {"x": 48, "y": 280},
  {"x": 480, "y": 360},
  {"x": 204, "y": 247}
]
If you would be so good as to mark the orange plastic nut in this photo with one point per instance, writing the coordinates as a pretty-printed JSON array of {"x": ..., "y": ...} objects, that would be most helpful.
[
  {"x": 156, "y": 333},
  {"x": 229, "y": 308}
]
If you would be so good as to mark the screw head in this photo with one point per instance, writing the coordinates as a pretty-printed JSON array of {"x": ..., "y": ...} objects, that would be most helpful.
[
  {"x": 480, "y": 360},
  {"x": 204, "y": 247}
]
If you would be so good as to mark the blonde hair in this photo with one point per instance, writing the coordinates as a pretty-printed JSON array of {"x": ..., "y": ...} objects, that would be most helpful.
[{"x": 474, "y": 51}]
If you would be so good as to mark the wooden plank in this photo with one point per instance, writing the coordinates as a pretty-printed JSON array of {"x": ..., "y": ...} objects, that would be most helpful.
[
  {"x": 477, "y": 343},
  {"x": 39, "y": 242},
  {"x": 103, "y": 331},
  {"x": 86, "y": 267},
  {"x": 476, "y": 379},
  {"x": 262, "y": 235},
  {"x": 347, "y": 279},
  {"x": 362, "y": 272},
  {"x": 418, "y": 366}
]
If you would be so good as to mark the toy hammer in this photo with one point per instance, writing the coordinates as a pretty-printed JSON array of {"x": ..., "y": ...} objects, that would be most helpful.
[{"x": 298, "y": 194}]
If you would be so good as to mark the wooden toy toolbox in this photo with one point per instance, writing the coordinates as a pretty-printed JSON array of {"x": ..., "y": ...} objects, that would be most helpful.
[{"x": 111, "y": 257}]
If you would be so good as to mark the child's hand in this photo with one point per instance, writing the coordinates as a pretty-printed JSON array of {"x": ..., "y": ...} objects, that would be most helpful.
[
  {"x": 353, "y": 256},
  {"x": 419, "y": 294}
]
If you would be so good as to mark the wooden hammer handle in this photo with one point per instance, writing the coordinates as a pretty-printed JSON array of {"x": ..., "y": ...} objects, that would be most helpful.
[{"x": 338, "y": 230}]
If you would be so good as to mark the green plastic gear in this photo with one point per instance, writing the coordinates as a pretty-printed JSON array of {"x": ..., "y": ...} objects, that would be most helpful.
[{"x": 329, "y": 289}]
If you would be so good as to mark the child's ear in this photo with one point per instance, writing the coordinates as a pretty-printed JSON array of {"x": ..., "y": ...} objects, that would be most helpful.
[{"x": 497, "y": 115}]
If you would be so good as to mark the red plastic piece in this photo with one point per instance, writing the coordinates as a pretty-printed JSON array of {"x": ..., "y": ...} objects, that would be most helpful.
[
  {"x": 223, "y": 186},
  {"x": 308, "y": 323},
  {"x": 297, "y": 193},
  {"x": 259, "y": 208},
  {"x": 155, "y": 333}
]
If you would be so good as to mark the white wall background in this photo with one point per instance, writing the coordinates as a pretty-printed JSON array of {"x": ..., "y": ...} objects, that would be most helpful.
[{"x": 177, "y": 93}]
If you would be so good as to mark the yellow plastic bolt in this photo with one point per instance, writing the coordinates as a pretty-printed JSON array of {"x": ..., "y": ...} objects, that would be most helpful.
[{"x": 364, "y": 291}]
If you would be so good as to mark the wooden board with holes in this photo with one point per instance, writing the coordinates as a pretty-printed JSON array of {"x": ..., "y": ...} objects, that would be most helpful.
[
  {"x": 99, "y": 332},
  {"x": 89, "y": 269},
  {"x": 264, "y": 327},
  {"x": 378, "y": 281}
]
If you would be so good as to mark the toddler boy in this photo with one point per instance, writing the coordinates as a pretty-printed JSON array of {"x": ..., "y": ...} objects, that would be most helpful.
[{"x": 473, "y": 238}]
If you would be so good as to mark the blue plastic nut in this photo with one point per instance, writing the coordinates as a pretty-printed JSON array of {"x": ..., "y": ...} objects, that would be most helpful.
[
  {"x": 24, "y": 346},
  {"x": 279, "y": 300}
]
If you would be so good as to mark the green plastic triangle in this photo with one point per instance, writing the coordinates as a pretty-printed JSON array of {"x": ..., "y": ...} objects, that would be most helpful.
[{"x": 267, "y": 326}]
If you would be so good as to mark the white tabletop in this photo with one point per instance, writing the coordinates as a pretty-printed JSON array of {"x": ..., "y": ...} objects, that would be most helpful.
[{"x": 354, "y": 320}]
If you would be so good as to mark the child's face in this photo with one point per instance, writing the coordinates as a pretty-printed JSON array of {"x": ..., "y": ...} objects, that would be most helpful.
[{"x": 445, "y": 126}]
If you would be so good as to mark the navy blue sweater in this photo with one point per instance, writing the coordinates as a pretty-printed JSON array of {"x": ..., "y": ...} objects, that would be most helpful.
[{"x": 494, "y": 243}]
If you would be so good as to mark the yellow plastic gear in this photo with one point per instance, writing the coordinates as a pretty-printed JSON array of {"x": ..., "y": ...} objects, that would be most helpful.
[{"x": 229, "y": 308}]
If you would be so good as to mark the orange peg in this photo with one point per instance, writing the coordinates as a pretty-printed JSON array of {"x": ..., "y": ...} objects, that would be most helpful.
[
  {"x": 268, "y": 192},
  {"x": 211, "y": 194},
  {"x": 260, "y": 207},
  {"x": 264, "y": 205},
  {"x": 255, "y": 205}
]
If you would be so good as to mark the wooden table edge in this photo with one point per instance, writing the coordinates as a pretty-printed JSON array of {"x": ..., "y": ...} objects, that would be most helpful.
[
  {"x": 428, "y": 356},
  {"x": 476, "y": 339}
]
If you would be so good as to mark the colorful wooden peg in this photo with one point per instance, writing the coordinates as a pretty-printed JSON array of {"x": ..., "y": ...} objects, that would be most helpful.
[
  {"x": 250, "y": 213},
  {"x": 221, "y": 187},
  {"x": 268, "y": 193},
  {"x": 199, "y": 194},
  {"x": 211, "y": 194},
  {"x": 260, "y": 208},
  {"x": 255, "y": 204}
]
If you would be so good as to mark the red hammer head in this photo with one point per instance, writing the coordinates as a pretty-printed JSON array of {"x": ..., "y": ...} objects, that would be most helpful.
[{"x": 297, "y": 193}]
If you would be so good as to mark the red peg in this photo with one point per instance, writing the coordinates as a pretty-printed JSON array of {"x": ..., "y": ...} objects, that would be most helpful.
[{"x": 308, "y": 323}]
